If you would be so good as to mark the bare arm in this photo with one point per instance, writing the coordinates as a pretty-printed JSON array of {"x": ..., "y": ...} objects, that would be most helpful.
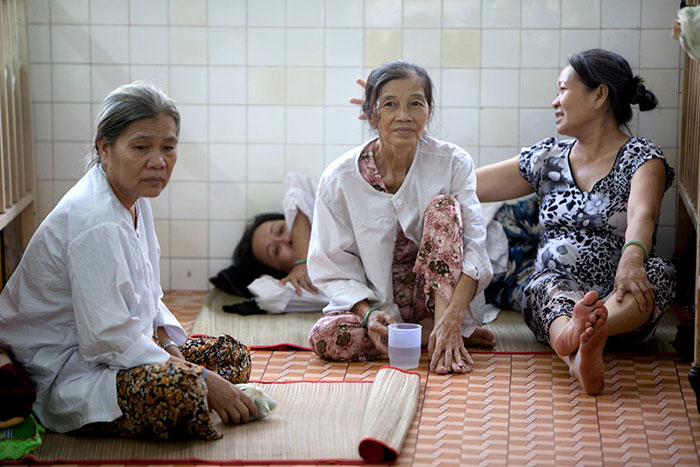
[
  {"x": 298, "y": 276},
  {"x": 501, "y": 181}
]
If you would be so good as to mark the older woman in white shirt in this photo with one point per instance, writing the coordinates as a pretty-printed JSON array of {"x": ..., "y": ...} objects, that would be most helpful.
[
  {"x": 398, "y": 233},
  {"x": 83, "y": 311}
]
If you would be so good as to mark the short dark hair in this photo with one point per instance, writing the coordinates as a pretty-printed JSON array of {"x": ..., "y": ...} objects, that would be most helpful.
[
  {"x": 397, "y": 69},
  {"x": 596, "y": 67},
  {"x": 243, "y": 256}
]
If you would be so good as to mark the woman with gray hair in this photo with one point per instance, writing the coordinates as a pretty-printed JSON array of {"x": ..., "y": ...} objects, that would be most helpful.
[{"x": 83, "y": 311}]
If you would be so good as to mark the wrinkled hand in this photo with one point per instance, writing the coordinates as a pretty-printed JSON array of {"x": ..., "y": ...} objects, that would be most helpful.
[
  {"x": 360, "y": 100},
  {"x": 228, "y": 401},
  {"x": 299, "y": 278},
  {"x": 378, "y": 329},
  {"x": 631, "y": 277},
  {"x": 446, "y": 349}
]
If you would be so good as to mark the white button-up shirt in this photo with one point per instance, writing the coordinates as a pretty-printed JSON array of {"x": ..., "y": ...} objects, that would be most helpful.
[
  {"x": 354, "y": 229},
  {"x": 84, "y": 302}
]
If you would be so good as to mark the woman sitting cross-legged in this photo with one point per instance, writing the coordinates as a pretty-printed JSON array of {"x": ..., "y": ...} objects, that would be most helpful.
[
  {"x": 600, "y": 195},
  {"x": 81, "y": 310},
  {"x": 398, "y": 234}
]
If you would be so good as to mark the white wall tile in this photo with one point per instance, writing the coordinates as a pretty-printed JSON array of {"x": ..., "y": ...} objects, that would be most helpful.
[
  {"x": 227, "y": 162},
  {"x": 227, "y": 124},
  {"x": 537, "y": 87},
  {"x": 163, "y": 235},
  {"x": 500, "y": 48},
  {"x": 459, "y": 126},
  {"x": 110, "y": 44},
  {"x": 539, "y": 48},
  {"x": 265, "y": 85},
  {"x": 501, "y": 14},
  {"x": 334, "y": 151},
  {"x": 461, "y": 14},
  {"x": 622, "y": 41},
  {"x": 188, "y": 45},
  {"x": 227, "y": 201},
  {"x": 340, "y": 85},
  {"x": 223, "y": 238},
  {"x": 266, "y": 124},
  {"x": 227, "y": 46},
  {"x": 491, "y": 154},
  {"x": 383, "y": 14},
  {"x": 659, "y": 50},
  {"x": 660, "y": 125},
  {"x": 422, "y": 13},
  {"x": 344, "y": 47},
  {"x": 621, "y": 13},
  {"x": 578, "y": 14},
  {"x": 193, "y": 127},
  {"x": 461, "y": 48},
  {"x": 658, "y": 13},
  {"x": 70, "y": 11},
  {"x": 306, "y": 159},
  {"x": 266, "y": 47},
  {"x": 60, "y": 188},
  {"x": 68, "y": 160},
  {"x": 70, "y": 44},
  {"x": 500, "y": 88},
  {"x": 382, "y": 45},
  {"x": 227, "y": 85},
  {"x": 151, "y": 12},
  {"x": 265, "y": 163},
  {"x": 43, "y": 160},
  {"x": 192, "y": 159},
  {"x": 227, "y": 12},
  {"x": 39, "y": 43},
  {"x": 188, "y": 84},
  {"x": 665, "y": 85},
  {"x": 342, "y": 125},
  {"x": 460, "y": 88},
  {"x": 541, "y": 13},
  {"x": 188, "y": 238},
  {"x": 577, "y": 40},
  {"x": 266, "y": 13},
  {"x": 44, "y": 195},
  {"x": 37, "y": 11},
  {"x": 305, "y": 13},
  {"x": 188, "y": 200},
  {"x": 40, "y": 82},
  {"x": 499, "y": 127},
  {"x": 148, "y": 45},
  {"x": 305, "y": 86},
  {"x": 72, "y": 122},
  {"x": 422, "y": 46},
  {"x": 109, "y": 11},
  {"x": 42, "y": 121},
  {"x": 187, "y": 12},
  {"x": 264, "y": 197},
  {"x": 188, "y": 274},
  {"x": 71, "y": 83},
  {"x": 156, "y": 74},
  {"x": 105, "y": 78},
  {"x": 160, "y": 205},
  {"x": 304, "y": 125},
  {"x": 348, "y": 13},
  {"x": 536, "y": 125},
  {"x": 305, "y": 47}
]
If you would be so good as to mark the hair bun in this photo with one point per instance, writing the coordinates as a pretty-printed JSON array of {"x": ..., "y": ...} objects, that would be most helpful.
[{"x": 643, "y": 97}]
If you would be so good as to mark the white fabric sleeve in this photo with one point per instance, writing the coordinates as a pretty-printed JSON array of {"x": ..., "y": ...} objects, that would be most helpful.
[
  {"x": 333, "y": 262},
  {"x": 165, "y": 319},
  {"x": 299, "y": 196},
  {"x": 99, "y": 262}
]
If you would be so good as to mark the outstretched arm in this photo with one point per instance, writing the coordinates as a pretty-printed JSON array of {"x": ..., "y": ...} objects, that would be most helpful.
[
  {"x": 299, "y": 275},
  {"x": 501, "y": 181}
]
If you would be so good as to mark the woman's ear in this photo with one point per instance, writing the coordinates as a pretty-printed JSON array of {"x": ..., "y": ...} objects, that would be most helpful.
[
  {"x": 103, "y": 149},
  {"x": 601, "y": 95}
]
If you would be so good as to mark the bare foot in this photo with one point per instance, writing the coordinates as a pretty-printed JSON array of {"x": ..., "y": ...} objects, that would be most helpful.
[
  {"x": 481, "y": 337},
  {"x": 587, "y": 366},
  {"x": 588, "y": 310}
]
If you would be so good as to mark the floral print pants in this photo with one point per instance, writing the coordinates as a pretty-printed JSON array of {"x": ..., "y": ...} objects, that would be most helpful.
[
  {"x": 169, "y": 400},
  {"x": 418, "y": 272}
]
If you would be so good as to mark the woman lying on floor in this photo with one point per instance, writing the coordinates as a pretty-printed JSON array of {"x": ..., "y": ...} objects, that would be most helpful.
[{"x": 81, "y": 310}]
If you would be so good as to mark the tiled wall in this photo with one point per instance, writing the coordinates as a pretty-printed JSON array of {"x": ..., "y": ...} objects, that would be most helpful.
[{"x": 263, "y": 85}]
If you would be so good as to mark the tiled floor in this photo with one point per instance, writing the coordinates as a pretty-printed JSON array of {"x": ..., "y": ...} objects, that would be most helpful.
[{"x": 523, "y": 409}]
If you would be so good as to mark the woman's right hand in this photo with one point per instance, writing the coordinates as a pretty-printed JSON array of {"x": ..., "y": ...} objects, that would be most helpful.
[
  {"x": 228, "y": 401},
  {"x": 378, "y": 330},
  {"x": 360, "y": 100}
]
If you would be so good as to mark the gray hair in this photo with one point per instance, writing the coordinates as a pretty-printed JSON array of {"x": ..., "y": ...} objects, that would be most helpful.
[{"x": 124, "y": 105}]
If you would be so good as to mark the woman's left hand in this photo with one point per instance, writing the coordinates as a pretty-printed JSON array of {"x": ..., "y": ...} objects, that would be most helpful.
[
  {"x": 446, "y": 349},
  {"x": 631, "y": 277},
  {"x": 299, "y": 278}
]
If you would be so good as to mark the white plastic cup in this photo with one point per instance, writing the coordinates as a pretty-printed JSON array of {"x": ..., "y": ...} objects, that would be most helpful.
[{"x": 404, "y": 345}]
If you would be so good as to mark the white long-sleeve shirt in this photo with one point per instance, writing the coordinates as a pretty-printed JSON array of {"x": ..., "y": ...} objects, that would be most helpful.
[
  {"x": 354, "y": 229},
  {"x": 299, "y": 196},
  {"x": 84, "y": 302}
]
